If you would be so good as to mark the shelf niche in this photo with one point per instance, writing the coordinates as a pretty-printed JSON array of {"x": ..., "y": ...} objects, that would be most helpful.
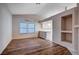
[
  {"x": 66, "y": 37},
  {"x": 66, "y": 28},
  {"x": 66, "y": 23}
]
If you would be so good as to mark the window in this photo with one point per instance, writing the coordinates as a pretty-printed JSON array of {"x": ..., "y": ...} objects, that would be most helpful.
[
  {"x": 31, "y": 27},
  {"x": 47, "y": 25},
  {"x": 28, "y": 27},
  {"x": 23, "y": 27}
]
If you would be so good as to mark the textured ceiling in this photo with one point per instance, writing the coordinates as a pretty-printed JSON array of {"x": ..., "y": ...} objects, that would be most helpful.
[{"x": 43, "y": 10}]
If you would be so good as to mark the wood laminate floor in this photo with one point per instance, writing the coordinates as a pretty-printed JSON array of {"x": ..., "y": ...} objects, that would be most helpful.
[{"x": 34, "y": 46}]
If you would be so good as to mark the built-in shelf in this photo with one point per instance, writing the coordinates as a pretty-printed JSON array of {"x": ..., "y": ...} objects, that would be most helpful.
[
  {"x": 67, "y": 37},
  {"x": 67, "y": 41},
  {"x": 66, "y": 23},
  {"x": 66, "y": 28},
  {"x": 66, "y": 31}
]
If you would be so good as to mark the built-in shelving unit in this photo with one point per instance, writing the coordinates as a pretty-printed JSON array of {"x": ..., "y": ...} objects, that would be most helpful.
[{"x": 66, "y": 28}]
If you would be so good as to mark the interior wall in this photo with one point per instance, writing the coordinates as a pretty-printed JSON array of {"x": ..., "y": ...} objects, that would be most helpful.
[
  {"x": 5, "y": 27},
  {"x": 15, "y": 27}
]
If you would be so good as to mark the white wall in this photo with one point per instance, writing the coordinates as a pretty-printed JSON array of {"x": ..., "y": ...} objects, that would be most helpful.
[
  {"x": 5, "y": 27},
  {"x": 16, "y": 19}
]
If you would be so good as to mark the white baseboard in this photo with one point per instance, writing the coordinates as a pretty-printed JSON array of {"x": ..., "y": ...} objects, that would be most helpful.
[{"x": 4, "y": 46}]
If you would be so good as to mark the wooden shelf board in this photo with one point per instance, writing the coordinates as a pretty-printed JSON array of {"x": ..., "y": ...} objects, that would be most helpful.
[
  {"x": 66, "y": 31},
  {"x": 66, "y": 41}
]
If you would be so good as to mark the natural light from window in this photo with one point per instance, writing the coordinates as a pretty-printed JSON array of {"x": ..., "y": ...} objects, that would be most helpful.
[{"x": 27, "y": 27}]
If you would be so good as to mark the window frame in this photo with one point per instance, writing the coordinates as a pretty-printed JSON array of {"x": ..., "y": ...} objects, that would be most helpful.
[{"x": 28, "y": 22}]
